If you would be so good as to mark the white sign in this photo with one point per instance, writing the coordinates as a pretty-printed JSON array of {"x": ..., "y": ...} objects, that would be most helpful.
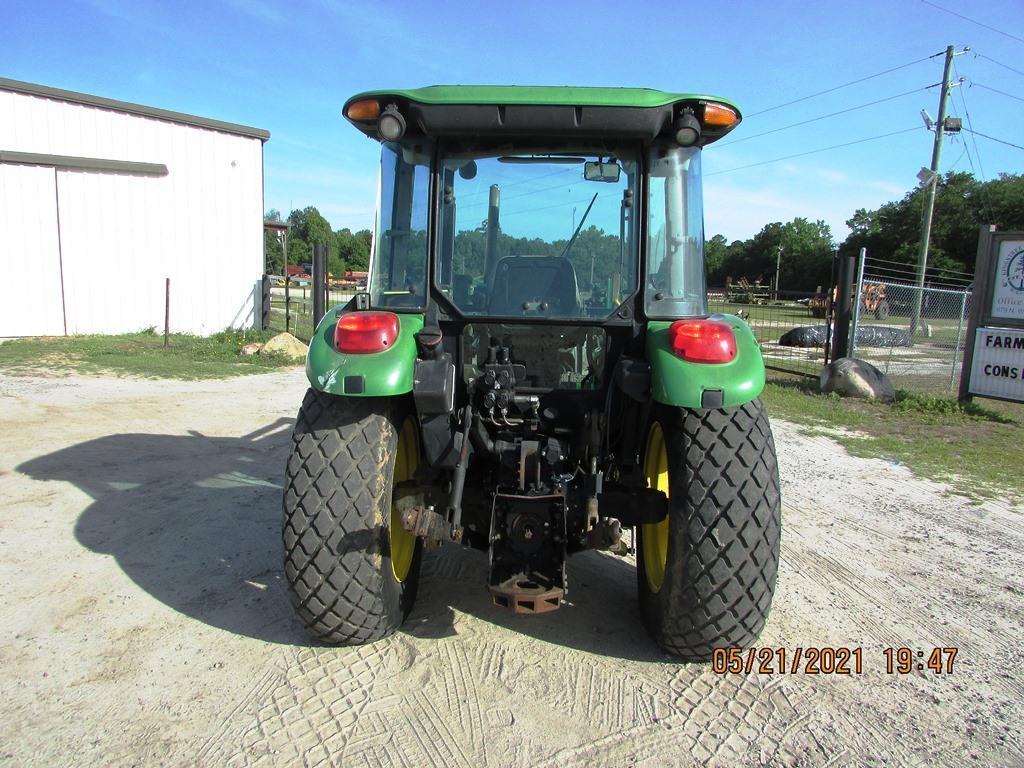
[
  {"x": 998, "y": 366},
  {"x": 1008, "y": 291}
]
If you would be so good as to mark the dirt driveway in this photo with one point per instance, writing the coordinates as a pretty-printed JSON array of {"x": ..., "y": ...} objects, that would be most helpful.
[{"x": 145, "y": 621}]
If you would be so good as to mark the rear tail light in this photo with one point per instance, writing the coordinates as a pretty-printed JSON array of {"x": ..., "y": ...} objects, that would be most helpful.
[
  {"x": 365, "y": 332},
  {"x": 702, "y": 341}
]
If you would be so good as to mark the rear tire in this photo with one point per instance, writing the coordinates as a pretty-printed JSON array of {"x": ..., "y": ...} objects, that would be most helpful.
[
  {"x": 338, "y": 529},
  {"x": 706, "y": 575}
]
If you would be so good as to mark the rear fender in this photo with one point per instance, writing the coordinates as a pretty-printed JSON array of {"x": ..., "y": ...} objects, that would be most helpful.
[
  {"x": 705, "y": 385},
  {"x": 380, "y": 374}
]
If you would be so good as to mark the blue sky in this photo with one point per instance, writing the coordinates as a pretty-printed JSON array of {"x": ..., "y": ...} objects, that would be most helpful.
[{"x": 289, "y": 67}]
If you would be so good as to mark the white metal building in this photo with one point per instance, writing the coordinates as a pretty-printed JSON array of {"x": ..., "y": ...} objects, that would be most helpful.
[{"x": 101, "y": 201}]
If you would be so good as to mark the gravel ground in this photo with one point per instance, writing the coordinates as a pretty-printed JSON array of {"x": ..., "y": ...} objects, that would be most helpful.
[{"x": 146, "y": 623}]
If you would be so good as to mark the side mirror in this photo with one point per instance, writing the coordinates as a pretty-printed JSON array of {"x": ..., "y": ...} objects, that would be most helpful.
[{"x": 596, "y": 171}]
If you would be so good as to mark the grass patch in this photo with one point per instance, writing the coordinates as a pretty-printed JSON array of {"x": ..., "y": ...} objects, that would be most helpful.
[
  {"x": 975, "y": 446},
  {"x": 141, "y": 354}
]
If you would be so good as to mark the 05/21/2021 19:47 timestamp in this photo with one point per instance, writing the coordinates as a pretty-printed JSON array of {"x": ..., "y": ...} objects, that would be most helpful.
[{"x": 826, "y": 660}]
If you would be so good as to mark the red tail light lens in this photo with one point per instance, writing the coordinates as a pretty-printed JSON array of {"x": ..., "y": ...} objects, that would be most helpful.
[
  {"x": 702, "y": 341},
  {"x": 364, "y": 332}
]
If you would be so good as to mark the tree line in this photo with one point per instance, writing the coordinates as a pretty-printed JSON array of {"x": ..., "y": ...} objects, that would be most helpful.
[
  {"x": 891, "y": 232},
  {"x": 345, "y": 249}
]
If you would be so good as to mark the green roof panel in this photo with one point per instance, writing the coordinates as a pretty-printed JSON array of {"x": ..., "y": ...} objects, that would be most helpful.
[{"x": 541, "y": 95}]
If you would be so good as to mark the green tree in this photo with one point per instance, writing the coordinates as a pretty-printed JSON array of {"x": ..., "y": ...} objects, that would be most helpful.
[
  {"x": 352, "y": 249},
  {"x": 307, "y": 228},
  {"x": 806, "y": 260},
  {"x": 310, "y": 226},
  {"x": 299, "y": 251},
  {"x": 714, "y": 258},
  {"x": 366, "y": 236},
  {"x": 892, "y": 232}
]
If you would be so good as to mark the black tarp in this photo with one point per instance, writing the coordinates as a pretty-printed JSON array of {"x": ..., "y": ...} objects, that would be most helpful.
[{"x": 867, "y": 336}]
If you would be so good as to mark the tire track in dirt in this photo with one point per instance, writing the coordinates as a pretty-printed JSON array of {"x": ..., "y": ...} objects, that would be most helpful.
[
  {"x": 869, "y": 555},
  {"x": 305, "y": 711},
  {"x": 933, "y": 604}
]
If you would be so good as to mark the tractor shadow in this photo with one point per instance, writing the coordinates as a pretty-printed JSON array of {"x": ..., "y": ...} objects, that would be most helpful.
[
  {"x": 601, "y": 615},
  {"x": 193, "y": 520}
]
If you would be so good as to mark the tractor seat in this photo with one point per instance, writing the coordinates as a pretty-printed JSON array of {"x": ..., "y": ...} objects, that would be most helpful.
[{"x": 522, "y": 284}]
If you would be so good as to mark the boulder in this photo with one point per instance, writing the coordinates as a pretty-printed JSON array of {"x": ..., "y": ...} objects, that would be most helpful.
[
  {"x": 851, "y": 377},
  {"x": 287, "y": 345},
  {"x": 250, "y": 349}
]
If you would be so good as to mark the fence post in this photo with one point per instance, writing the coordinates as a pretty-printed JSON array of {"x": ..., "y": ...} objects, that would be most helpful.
[
  {"x": 167, "y": 310},
  {"x": 956, "y": 344},
  {"x": 319, "y": 281},
  {"x": 844, "y": 294},
  {"x": 265, "y": 303},
  {"x": 857, "y": 300}
]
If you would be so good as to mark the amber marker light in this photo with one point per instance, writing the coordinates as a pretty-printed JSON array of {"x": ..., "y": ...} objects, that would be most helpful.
[
  {"x": 365, "y": 109},
  {"x": 720, "y": 115}
]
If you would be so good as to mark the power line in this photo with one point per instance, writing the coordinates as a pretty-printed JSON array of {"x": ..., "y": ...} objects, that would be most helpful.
[
  {"x": 974, "y": 21},
  {"x": 996, "y": 90},
  {"x": 1004, "y": 66},
  {"x": 823, "y": 117},
  {"x": 961, "y": 157},
  {"x": 815, "y": 151},
  {"x": 985, "y": 205},
  {"x": 910, "y": 267},
  {"x": 967, "y": 114},
  {"x": 993, "y": 138},
  {"x": 838, "y": 87},
  {"x": 970, "y": 159}
]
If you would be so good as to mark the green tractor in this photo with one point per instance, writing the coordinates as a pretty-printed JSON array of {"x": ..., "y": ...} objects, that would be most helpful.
[{"x": 533, "y": 372}]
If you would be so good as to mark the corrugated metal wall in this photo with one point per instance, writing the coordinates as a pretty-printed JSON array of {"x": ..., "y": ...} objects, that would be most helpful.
[
  {"x": 121, "y": 235},
  {"x": 30, "y": 291}
]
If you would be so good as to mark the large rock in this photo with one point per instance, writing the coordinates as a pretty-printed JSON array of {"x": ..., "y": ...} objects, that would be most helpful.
[
  {"x": 851, "y": 377},
  {"x": 287, "y": 345}
]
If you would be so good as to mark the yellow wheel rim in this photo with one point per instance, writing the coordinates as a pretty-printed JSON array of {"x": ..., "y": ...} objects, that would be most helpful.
[
  {"x": 407, "y": 457},
  {"x": 655, "y": 537}
]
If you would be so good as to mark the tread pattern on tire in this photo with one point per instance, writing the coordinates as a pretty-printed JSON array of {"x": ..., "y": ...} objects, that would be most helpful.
[
  {"x": 336, "y": 520},
  {"x": 724, "y": 536}
]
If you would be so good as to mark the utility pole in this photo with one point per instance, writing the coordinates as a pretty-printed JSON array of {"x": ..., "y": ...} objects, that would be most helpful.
[{"x": 929, "y": 204}]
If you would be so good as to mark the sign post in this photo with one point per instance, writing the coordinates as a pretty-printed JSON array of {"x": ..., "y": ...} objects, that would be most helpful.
[{"x": 994, "y": 355}]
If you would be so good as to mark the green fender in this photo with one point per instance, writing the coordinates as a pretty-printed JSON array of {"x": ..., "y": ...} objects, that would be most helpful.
[
  {"x": 678, "y": 382},
  {"x": 380, "y": 374}
]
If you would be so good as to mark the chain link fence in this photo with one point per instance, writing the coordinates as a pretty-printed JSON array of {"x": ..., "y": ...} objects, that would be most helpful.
[
  {"x": 793, "y": 328},
  {"x": 291, "y": 305},
  {"x": 923, "y": 354},
  {"x": 790, "y": 326}
]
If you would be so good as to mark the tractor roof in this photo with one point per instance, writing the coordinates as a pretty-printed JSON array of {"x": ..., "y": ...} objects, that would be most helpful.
[{"x": 536, "y": 110}]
